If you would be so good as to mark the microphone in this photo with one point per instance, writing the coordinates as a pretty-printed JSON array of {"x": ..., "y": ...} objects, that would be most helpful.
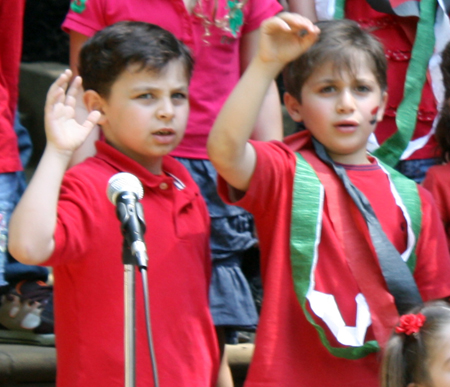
[{"x": 124, "y": 191}]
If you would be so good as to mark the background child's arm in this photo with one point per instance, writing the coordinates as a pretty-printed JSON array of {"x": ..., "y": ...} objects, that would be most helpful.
[
  {"x": 33, "y": 222},
  {"x": 305, "y": 8},
  {"x": 280, "y": 42},
  {"x": 269, "y": 125},
  {"x": 87, "y": 149}
]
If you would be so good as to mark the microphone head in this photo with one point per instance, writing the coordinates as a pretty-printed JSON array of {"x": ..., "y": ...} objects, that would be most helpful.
[{"x": 124, "y": 182}]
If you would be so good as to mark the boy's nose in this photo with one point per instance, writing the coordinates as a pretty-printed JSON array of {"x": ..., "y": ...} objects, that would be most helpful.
[
  {"x": 346, "y": 102},
  {"x": 165, "y": 109}
]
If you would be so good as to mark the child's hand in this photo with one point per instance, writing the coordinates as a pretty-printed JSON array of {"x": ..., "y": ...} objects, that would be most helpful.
[
  {"x": 285, "y": 37},
  {"x": 61, "y": 128}
]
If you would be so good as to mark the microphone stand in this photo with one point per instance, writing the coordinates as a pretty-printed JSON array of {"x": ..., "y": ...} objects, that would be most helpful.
[
  {"x": 130, "y": 315},
  {"x": 132, "y": 256},
  {"x": 134, "y": 253}
]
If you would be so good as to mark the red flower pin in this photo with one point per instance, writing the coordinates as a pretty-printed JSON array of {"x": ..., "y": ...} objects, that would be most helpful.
[{"x": 410, "y": 323}]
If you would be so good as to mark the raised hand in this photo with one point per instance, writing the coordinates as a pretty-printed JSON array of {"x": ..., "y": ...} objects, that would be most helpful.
[
  {"x": 62, "y": 130},
  {"x": 285, "y": 37}
]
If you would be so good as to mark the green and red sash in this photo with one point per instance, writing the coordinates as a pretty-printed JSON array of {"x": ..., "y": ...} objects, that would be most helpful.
[
  {"x": 392, "y": 149},
  {"x": 308, "y": 199}
]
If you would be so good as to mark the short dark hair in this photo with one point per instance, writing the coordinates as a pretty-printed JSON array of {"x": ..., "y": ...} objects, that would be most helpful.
[
  {"x": 339, "y": 42},
  {"x": 113, "y": 49}
]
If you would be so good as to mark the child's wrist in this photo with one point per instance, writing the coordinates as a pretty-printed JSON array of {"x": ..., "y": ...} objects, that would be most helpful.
[
  {"x": 63, "y": 155},
  {"x": 271, "y": 67}
]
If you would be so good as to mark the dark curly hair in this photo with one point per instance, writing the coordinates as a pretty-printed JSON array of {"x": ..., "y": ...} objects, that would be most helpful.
[{"x": 112, "y": 50}]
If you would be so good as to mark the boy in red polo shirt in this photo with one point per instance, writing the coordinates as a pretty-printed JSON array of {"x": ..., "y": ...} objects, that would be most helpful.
[
  {"x": 136, "y": 78},
  {"x": 347, "y": 243}
]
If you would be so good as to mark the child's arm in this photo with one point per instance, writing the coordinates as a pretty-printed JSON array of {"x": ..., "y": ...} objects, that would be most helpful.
[
  {"x": 269, "y": 125},
  {"x": 281, "y": 42},
  {"x": 33, "y": 221},
  {"x": 303, "y": 7},
  {"x": 86, "y": 149}
]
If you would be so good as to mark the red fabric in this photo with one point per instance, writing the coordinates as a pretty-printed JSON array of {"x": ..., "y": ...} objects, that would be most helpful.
[
  {"x": 217, "y": 62},
  {"x": 11, "y": 22},
  {"x": 288, "y": 349},
  {"x": 397, "y": 35},
  {"x": 352, "y": 233},
  {"x": 437, "y": 181},
  {"x": 88, "y": 270}
]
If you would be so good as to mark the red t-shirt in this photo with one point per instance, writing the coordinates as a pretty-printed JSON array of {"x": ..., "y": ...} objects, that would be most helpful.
[
  {"x": 217, "y": 57},
  {"x": 437, "y": 181},
  {"x": 288, "y": 349},
  {"x": 11, "y": 25},
  {"x": 89, "y": 286},
  {"x": 397, "y": 35}
]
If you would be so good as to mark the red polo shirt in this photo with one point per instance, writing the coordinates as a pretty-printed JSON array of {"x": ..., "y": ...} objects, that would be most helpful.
[{"x": 88, "y": 269}]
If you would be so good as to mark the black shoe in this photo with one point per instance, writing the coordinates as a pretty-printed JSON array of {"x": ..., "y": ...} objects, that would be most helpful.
[{"x": 26, "y": 314}]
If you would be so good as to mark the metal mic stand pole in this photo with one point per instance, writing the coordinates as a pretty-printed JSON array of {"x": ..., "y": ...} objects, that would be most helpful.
[
  {"x": 133, "y": 257},
  {"x": 130, "y": 316}
]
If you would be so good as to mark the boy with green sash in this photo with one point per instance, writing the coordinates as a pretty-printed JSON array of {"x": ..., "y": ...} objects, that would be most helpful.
[{"x": 347, "y": 243}]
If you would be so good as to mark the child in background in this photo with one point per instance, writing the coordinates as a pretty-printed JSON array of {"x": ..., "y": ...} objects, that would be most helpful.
[
  {"x": 418, "y": 352},
  {"x": 437, "y": 179},
  {"x": 136, "y": 77},
  {"x": 328, "y": 299},
  {"x": 25, "y": 299}
]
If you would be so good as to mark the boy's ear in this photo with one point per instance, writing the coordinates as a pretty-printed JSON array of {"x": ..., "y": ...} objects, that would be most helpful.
[
  {"x": 292, "y": 106},
  {"x": 93, "y": 101}
]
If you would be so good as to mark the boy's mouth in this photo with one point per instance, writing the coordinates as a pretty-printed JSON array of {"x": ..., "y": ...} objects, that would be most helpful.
[
  {"x": 164, "y": 132},
  {"x": 164, "y": 136},
  {"x": 346, "y": 125}
]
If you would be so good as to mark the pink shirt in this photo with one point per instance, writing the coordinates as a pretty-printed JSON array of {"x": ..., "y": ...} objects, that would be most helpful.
[{"x": 217, "y": 60}]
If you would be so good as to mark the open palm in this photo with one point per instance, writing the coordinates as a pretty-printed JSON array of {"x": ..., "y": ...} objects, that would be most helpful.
[{"x": 62, "y": 130}]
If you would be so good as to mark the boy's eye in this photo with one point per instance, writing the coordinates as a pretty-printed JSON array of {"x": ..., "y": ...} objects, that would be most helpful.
[
  {"x": 145, "y": 96},
  {"x": 327, "y": 89},
  {"x": 363, "y": 89},
  {"x": 179, "y": 95}
]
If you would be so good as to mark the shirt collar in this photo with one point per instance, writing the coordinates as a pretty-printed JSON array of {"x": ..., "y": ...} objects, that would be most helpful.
[{"x": 174, "y": 174}]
